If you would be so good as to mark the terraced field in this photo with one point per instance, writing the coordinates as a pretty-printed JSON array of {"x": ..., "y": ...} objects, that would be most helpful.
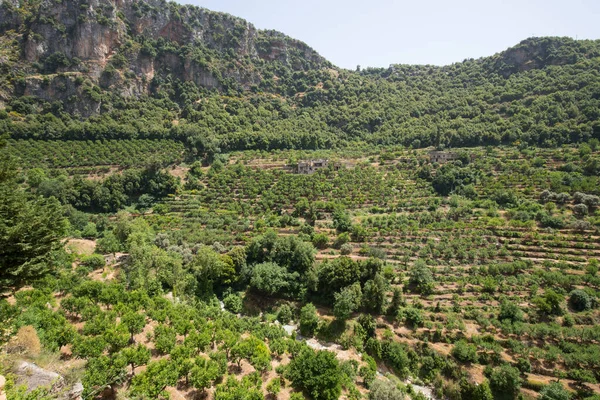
[
  {"x": 471, "y": 273},
  {"x": 482, "y": 253}
]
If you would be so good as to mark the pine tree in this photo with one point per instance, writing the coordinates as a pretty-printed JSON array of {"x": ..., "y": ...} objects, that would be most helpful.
[{"x": 30, "y": 230}]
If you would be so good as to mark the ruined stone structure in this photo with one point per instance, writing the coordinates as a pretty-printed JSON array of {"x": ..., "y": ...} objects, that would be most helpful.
[
  {"x": 442, "y": 156},
  {"x": 308, "y": 167}
]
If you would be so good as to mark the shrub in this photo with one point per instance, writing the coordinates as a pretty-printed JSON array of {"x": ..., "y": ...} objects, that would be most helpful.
[
  {"x": 580, "y": 210},
  {"x": 342, "y": 239},
  {"x": 90, "y": 231},
  {"x": 26, "y": 341},
  {"x": 510, "y": 311},
  {"x": 580, "y": 300},
  {"x": 384, "y": 390},
  {"x": 309, "y": 320},
  {"x": 524, "y": 365},
  {"x": 413, "y": 316},
  {"x": 396, "y": 357},
  {"x": 554, "y": 391},
  {"x": 347, "y": 301},
  {"x": 318, "y": 373},
  {"x": 346, "y": 249},
  {"x": 284, "y": 314},
  {"x": 465, "y": 352},
  {"x": 421, "y": 278},
  {"x": 233, "y": 303},
  {"x": 505, "y": 381},
  {"x": 94, "y": 261},
  {"x": 320, "y": 240},
  {"x": 274, "y": 387}
]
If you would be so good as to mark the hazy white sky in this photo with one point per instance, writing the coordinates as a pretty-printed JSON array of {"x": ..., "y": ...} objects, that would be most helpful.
[{"x": 378, "y": 33}]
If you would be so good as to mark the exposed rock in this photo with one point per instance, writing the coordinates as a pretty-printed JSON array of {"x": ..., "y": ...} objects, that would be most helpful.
[
  {"x": 76, "y": 391},
  {"x": 64, "y": 40},
  {"x": 290, "y": 329},
  {"x": 536, "y": 53},
  {"x": 34, "y": 377}
]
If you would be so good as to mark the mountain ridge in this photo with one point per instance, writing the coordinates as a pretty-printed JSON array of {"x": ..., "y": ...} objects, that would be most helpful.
[{"x": 101, "y": 69}]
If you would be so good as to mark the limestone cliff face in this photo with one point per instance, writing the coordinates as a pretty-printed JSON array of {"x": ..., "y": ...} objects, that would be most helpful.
[
  {"x": 537, "y": 53},
  {"x": 126, "y": 45}
]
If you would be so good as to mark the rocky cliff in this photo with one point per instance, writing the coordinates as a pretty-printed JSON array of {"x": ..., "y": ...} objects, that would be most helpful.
[
  {"x": 537, "y": 53},
  {"x": 124, "y": 69},
  {"x": 131, "y": 46}
]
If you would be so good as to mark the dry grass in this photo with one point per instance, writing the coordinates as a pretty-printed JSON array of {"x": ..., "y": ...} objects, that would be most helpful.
[
  {"x": 81, "y": 246},
  {"x": 25, "y": 342}
]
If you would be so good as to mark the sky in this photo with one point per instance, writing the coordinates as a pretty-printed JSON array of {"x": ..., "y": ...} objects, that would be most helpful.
[{"x": 377, "y": 33}]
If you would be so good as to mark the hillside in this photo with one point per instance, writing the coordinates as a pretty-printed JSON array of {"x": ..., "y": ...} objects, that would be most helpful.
[
  {"x": 333, "y": 257},
  {"x": 150, "y": 69}
]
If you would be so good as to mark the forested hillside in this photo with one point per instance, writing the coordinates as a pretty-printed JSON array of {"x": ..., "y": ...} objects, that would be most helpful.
[
  {"x": 191, "y": 208},
  {"x": 90, "y": 70}
]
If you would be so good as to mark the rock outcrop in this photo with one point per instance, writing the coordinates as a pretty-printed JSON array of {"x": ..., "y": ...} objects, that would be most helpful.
[
  {"x": 33, "y": 377},
  {"x": 131, "y": 46}
]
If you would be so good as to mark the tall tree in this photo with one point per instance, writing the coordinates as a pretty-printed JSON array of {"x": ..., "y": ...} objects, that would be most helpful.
[{"x": 30, "y": 230}]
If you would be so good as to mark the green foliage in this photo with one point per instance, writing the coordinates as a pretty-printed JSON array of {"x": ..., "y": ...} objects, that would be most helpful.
[
  {"x": 103, "y": 372},
  {"x": 255, "y": 351},
  {"x": 270, "y": 279},
  {"x": 369, "y": 371},
  {"x": 341, "y": 220},
  {"x": 469, "y": 390},
  {"x": 320, "y": 240},
  {"x": 554, "y": 391},
  {"x": 136, "y": 356},
  {"x": 233, "y": 303},
  {"x": 152, "y": 382},
  {"x": 413, "y": 316},
  {"x": 395, "y": 355},
  {"x": 317, "y": 373},
  {"x": 309, "y": 320},
  {"x": 510, "y": 311},
  {"x": 421, "y": 278},
  {"x": 396, "y": 303},
  {"x": 164, "y": 338},
  {"x": 391, "y": 200},
  {"x": 375, "y": 294},
  {"x": 274, "y": 386},
  {"x": 346, "y": 249},
  {"x": 347, "y": 301},
  {"x": 550, "y": 303},
  {"x": 505, "y": 381},
  {"x": 285, "y": 314},
  {"x": 384, "y": 390},
  {"x": 524, "y": 365},
  {"x": 368, "y": 324},
  {"x": 287, "y": 251},
  {"x": 204, "y": 373},
  {"x": 580, "y": 300},
  {"x": 30, "y": 231},
  {"x": 134, "y": 322},
  {"x": 248, "y": 389},
  {"x": 94, "y": 261},
  {"x": 465, "y": 352},
  {"x": 108, "y": 244}
]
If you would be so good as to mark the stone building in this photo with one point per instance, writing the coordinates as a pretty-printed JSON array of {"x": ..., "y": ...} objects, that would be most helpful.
[
  {"x": 308, "y": 167},
  {"x": 442, "y": 156}
]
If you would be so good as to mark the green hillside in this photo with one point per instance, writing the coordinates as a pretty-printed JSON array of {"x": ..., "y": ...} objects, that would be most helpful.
[{"x": 214, "y": 82}]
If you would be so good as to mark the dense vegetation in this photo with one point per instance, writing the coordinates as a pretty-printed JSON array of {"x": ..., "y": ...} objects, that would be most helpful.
[
  {"x": 543, "y": 91},
  {"x": 476, "y": 284},
  {"x": 155, "y": 240}
]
